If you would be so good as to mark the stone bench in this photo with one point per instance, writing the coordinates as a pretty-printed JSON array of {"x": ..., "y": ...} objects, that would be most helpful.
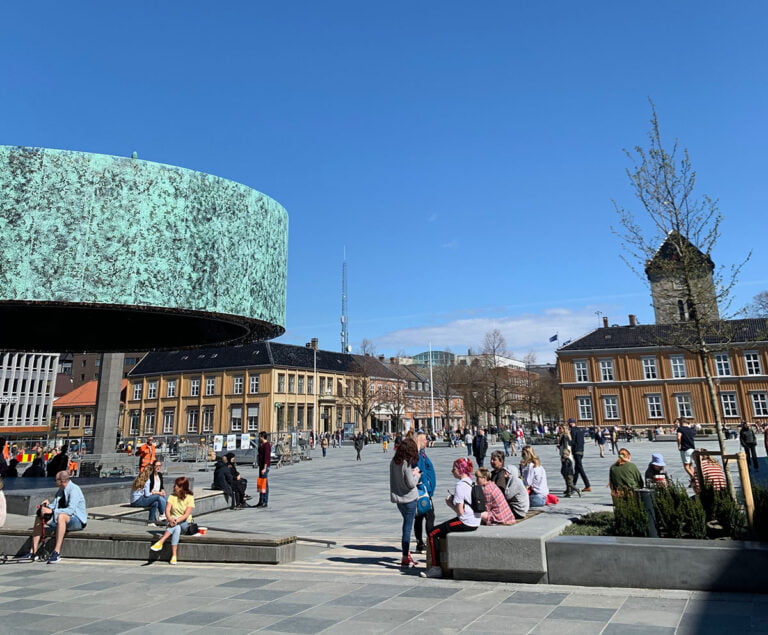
[
  {"x": 215, "y": 546},
  {"x": 506, "y": 553},
  {"x": 206, "y": 501}
]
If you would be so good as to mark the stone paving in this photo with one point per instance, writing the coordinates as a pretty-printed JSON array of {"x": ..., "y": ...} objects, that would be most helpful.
[{"x": 356, "y": 585}]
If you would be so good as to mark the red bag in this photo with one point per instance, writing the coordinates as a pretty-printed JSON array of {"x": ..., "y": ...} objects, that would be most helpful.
[
  {"x": 552, "y": 499},
  {"x": 261, "y": 485}
]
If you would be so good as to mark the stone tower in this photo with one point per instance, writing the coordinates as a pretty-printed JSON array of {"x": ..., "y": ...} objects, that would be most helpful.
[{"x": 682, "y": 282}]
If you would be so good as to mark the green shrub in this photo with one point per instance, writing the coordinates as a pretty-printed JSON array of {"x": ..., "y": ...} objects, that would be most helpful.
[
  {"x": 630, "y": 515},
  {"x": 724, "y": 515},
  {"x": 677, "y": 514},
  {"x": 592, "y": 524}
]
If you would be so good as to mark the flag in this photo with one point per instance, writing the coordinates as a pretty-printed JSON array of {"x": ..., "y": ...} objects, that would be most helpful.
[
  {"x": 553, "y": 338},
  {"x": 566, "y": 342}
]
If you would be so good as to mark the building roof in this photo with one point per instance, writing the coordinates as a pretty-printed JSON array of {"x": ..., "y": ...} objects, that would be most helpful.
[
  {"x": 84, "y": 395},
  {"x": 667, "y": 254},
  {"x": 655, "y": 335},
  {"x": 256, "y": 355}
]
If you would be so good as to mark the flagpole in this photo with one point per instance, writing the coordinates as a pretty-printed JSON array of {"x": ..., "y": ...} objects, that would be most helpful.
[{"x": 431, "y": 388}]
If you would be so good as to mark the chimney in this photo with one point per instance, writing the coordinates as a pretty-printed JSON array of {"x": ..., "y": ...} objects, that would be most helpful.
[
  {"x": 313, "y": 344},
  {"x": 393, "y": 360},
  {"x": 605, "y": 322},
  {"x": 632, "y": 320},
  {"x": 381, "y": 358}
]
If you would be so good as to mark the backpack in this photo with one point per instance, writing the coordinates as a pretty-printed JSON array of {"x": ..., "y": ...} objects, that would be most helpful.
[{"x": 478, "y": 499}]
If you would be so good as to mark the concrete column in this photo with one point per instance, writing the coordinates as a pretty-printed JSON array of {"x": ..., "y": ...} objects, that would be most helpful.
[{"x": 108, "y": 403}]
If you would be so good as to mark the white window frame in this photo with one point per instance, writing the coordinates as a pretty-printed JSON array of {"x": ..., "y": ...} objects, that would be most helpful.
[
  {"x": 133, "y": 425},
  {"x": 611, "y": 407},
  {"x": 253, "y": 417},
  {"x": 208, "y": 412},
  {"x": 655, "y": 406},
  {"x": 280, "y": 382},
  {"x": 606, "y": 370},
  {"x": 585, "y": 408},
  {"x": 152, "y": 390},
  {"x": 137, "y": 392},
  {"x": 752, "y": 363},
  {"x": 170, "y": 389},
  {"x": 581, "y": 370},
  {"x": 194, "y": 387},
  {"x": 759, "y": 404},
  {"x": 677, "y": 366},
  {"x": 300, "y": 384},
  {"x": 729, "y": 404},
  {"x": 237, "y": 384},
  {"x": 169, "y": 420},
  {"x": 193, "y": 420},
  {"x": 291, "y": 383},
  {"x": 236, "y": 422},
  {"x": 210, "y": 386},
  {"x": 150, "y": 416},
  {"x": 722, "y": 365},
  {"x": 650, "y": 369},
  {"x": 684, "y": 405},
  {"x": 253, "y": 384}
]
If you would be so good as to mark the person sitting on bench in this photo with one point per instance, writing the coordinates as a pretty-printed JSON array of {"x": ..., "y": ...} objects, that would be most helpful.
[{"x": 65, "y": 513}]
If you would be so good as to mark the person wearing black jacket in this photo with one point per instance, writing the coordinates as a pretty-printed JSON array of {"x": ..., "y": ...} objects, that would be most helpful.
[
  {"x": 36, "y": 470},
  {"x": 749, "y": 443},
  {"x": 223, "y": 479},
  {"x": 480, "y": 447},
  {"x": 57, "y": 463},
  {"x": 238, "y": 482},
  {"x": 577, "y": 447}
]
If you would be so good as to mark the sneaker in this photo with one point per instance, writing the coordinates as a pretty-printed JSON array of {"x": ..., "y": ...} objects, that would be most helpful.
[
  {"x": 587, "y": 489},
  {"x": 173, "y": 560},
  {"x": 432, "y": 572},
  {"x": 158, "y": 546},
  {"x": 55, "y": 558},
  {"x": 28, "y": 557},
  {"x": 578, "y": 491},
  {"x": 152, "y": 524},
  {"x": 161, "y": 517}
]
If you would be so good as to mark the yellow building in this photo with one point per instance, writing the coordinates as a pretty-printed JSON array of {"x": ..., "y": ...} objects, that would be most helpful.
[{"x": 264, "y": 386}]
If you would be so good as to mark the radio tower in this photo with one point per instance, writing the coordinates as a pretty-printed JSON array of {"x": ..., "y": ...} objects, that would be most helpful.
[{"x": 345, "y": 348}]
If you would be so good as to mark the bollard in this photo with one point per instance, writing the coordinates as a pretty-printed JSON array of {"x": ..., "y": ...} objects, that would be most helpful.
[
  {"x": 646, "y": 497},
  {"x": 746, "y": 487}
]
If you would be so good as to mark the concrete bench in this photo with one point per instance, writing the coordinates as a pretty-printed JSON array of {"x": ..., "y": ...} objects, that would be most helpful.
[
  {"x": 506, "y": 553},
  {"x": 100, "y": 543}
]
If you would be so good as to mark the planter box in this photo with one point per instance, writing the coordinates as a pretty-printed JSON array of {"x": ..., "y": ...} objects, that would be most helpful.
[{"x": 658, "y": 563}]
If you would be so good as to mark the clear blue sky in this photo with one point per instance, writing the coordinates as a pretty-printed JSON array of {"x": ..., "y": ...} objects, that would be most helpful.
[{"x": 465, "y": 154}]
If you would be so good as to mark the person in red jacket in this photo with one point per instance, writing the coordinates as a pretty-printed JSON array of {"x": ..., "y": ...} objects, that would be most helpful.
[{"x": 264, "y": 458}]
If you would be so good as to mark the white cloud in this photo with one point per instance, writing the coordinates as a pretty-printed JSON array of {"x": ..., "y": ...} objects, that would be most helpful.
[
  {"x": 524, "y": 333},
  {"x": 433, "y": 217},
  {"x": 450, "y": 245}
]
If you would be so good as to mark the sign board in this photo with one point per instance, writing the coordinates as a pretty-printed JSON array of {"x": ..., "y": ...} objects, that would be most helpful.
[
  {"x": 9, "y": 399},
  {"x": 245, "y": 441},
  {"x": 218, "y": 443},
  {"x": 231, "y": 442}
]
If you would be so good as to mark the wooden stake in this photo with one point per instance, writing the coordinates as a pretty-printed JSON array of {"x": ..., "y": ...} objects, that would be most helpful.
[{"x": 746, "y": 487}]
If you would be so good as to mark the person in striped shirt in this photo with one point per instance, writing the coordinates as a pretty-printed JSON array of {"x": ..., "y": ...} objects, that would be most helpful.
[{"x": 711, "y": 470}]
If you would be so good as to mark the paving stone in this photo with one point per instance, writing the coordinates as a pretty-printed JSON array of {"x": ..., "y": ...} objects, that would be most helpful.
[
  {"x": 535, "y": 597},
  {"x": 301, "y": 624},
  {"x": 581, "y": 613},
  {"x": 637, "y": 629},
  {"x": 108, "y": 627},
  {"x": 280, "y": 608}
]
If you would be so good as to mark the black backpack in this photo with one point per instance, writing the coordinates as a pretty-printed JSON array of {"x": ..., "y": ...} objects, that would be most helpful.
[{"x": 478, "y": 499}]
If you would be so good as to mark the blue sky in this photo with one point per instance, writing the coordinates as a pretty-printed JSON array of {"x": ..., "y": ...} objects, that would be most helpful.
[{"x": 464, "y": 154}]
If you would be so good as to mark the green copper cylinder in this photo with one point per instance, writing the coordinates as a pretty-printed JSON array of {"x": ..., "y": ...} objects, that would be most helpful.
[{"x": 105, "y": 253}]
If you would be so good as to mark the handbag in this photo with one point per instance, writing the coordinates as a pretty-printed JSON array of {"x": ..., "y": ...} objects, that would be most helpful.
[
  {"x": 192, "y": 529},
  {"x": 423, "y": 502},
  {"x": 261, "y": 485}
]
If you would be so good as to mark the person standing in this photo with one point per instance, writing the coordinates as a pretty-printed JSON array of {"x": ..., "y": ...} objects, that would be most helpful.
[
  {"x": 480, "y": 447},
  {"x": 264, "y": 459},
  {"x": 324, "y": 445},
  {"x": 577, "y": 448},
  {"x": 429, "y": 483},
  {"x": 686, "y": 443},
  {"x": 505, "y": 435},
  {"x": 403, "y": 481},
  {"x": 147, "y": 453},
  {"x": 749, "y": 443},
  {"x": 359, "y": 443}
]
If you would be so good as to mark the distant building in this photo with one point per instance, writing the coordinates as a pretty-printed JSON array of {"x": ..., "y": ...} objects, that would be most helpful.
[
  {"x": 627, "y": 375},
  {"x": 75, "y": 412},
  {"x": 439, "y": 358},
  {"x": 27, "y": 382}
]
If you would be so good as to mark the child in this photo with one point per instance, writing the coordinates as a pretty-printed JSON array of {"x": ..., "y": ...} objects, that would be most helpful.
[{"x": 566, "y": 469}]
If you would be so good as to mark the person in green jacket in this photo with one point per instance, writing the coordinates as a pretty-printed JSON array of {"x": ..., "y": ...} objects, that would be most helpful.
[{"x": 624, "y": 474}]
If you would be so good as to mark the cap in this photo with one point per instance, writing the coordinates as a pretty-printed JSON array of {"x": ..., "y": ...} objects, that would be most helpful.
[
  {"x": 657, "y": 459},
  {"x": 571, "y": 420}
]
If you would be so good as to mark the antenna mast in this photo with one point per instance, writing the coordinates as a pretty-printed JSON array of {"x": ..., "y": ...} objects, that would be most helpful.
[{"x": 344, "y": 317}]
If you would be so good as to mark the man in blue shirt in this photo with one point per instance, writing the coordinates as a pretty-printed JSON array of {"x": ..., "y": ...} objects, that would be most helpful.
[{"x": 65, "y": 513}]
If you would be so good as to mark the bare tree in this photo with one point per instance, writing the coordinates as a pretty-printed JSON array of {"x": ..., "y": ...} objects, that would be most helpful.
[
  {"x": 499, "y": 391},
  {"x": 393, "y": 402},
  {"x": 759, "y": 306},
  {"x": 687, "y": 228}
]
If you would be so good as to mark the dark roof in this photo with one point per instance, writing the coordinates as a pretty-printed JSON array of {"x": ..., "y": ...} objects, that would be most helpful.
[
  {"x": 257, "y": 354},
  {"x": 650, "y": 335},
  {"x": 668, "y": 256}
]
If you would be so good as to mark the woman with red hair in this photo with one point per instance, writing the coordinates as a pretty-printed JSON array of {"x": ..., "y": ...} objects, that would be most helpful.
[
  {"x": 460, "y": 501},
  {"x": 178, "y": 511}
]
